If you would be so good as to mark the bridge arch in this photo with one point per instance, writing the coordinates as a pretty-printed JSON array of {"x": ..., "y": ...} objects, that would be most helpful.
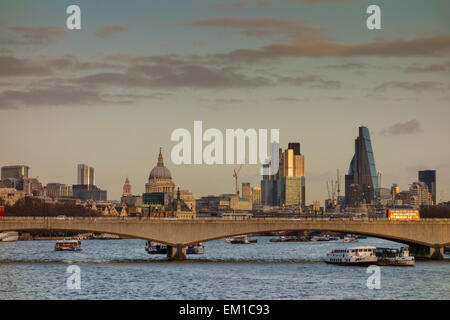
[
  {"x": 94, "y": 230},
  {"x": 370, "y": 234}
]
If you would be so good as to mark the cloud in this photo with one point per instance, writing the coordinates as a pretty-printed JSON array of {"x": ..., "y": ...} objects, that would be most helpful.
[
  {"x": 44, "y": 66},
  {"x": 10, "y": 66},
  {"x": 107, "y": 31},
  {"x": 286, "y": 99},
  {"x": 37, "y": 35},
  {"x": 311, "y": 81},
  {"x": 319, "y": 1},
  {"x": 443, "y": 67},
  {"x": 347, "y": 66},
  {"x": 185, "y": 76},
  {"x": 235, "y": 4},
  {"x": 228, "y": 100},
  {"x": 408, "y": 127},
  {"x": 263, "y": 27},
  {"x": 419, "y": 47},
  {"x": 54, "y": 96},
  {"x": 436, "y": 46},
  {"x": 420, "y": 86}
]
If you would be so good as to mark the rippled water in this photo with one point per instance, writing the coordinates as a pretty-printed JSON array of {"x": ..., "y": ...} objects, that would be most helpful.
[{"x": 121, "y": 269}]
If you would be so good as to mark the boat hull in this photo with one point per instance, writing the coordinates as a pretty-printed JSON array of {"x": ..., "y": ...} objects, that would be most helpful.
[
  {"x": 163, "y": 251},
  {"x": 10, "y": 239},
  {"x": 391, "y": 263},
  {"x": 355, "y": 264},
  {"x": 198, "y": 250},
  {"x": 67, "y": 249}
]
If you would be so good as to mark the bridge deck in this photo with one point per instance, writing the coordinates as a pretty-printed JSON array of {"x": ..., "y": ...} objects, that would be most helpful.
[{"x": 428, "y": 232}]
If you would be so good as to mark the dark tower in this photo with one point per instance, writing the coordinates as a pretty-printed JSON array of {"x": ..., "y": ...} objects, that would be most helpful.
[
  {"x": 295, "y": 146},
  {"x": 429, "y": 178}
]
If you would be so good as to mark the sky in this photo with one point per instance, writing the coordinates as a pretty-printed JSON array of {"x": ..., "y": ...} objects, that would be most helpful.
[{"x": 110, "y": 95}]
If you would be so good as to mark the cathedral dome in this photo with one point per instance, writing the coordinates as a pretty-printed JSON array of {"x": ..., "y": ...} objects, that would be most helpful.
[{"x": 160, "y": 171}]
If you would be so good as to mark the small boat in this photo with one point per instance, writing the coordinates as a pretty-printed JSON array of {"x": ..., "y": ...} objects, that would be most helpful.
[
  {"x": 350, "y": 238},
  {"x": 394, "y": 257},
  {"x": 68, "y": 245},
  {"x": 357, "y": 256},
  {"x": 155, "y": 247},
  {"x": 9, "y": 236},
  {"x": 288, "y": 239},
  {"x": 243, "y": 239},
  {"x": 195, "y": 249},
  {"x": 320, "y": 238}
]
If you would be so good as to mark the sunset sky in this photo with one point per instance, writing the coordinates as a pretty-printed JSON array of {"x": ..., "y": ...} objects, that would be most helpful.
[{"x": 109, "y": 95}]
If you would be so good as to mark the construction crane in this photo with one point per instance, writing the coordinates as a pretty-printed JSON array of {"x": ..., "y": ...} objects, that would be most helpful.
[
  {"x": 328, "y": 189},
  {"x": 338, "y": 182},
  {"x": 235, "y": 175},
  {"x": 338, "y": 187}
]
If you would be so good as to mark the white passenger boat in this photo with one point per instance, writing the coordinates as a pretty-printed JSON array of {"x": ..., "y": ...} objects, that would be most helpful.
[
  {"x": 394, "y": 257},
  {"x": 68, "y": 245},
  {"x": 9, "y": 236},
  {"x": 357, "y": 256}
]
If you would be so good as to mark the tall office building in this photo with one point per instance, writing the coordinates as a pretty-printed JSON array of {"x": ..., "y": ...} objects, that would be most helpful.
[
  {"x": 256, "y": 195},
  {"x": 91, "y": 176},
  {"x": 82, "y": 174},
  {"x": 86, "y": 175},
  {"x": 15, "y": 172},
  {"x": 419, "y": 195},
  {"x": 246, "y": 190},
  {"x": 429, "y": 178},
  {"x": 85, "y": 189},
  {"x": 287, "y": 187},
  {"x": 362, "y": 169}
]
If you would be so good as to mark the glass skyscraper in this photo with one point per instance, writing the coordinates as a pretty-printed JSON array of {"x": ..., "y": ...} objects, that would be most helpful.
[
  {"x": 362, "y": 171},
  {"x": 287, "y": 186}
]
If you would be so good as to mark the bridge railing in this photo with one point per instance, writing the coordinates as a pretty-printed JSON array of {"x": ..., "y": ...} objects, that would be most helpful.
[{"x": 209, "y": 219}]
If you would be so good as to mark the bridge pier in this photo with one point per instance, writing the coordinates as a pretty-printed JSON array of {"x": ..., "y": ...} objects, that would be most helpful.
[
  {"x": 177, "y": 252},
  {"x": 425, "y": 252}
]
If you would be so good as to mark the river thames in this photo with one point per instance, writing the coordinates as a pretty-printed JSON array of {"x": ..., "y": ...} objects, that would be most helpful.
[{"x": 121, "y": 269}]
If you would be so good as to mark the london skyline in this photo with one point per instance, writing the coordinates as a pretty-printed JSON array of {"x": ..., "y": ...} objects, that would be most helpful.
[{"x": 110, "y": 94}]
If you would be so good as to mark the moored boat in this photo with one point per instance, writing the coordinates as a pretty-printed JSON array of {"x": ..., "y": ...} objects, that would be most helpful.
[
  {"x": 68, "y": 245},
  {"x": 195, "y": 249},
  {"x": 289, "y": 239},
  {"x": 356, "y": 256},
  {"x": 320, "y": 238},
  {"x": 155, "y": 247},
  {"x": 350, "y": 238},
  {"x": 243, "y": 239},
  {"x": 9, "y": 236},
  {"x": 394, "y": 257}
]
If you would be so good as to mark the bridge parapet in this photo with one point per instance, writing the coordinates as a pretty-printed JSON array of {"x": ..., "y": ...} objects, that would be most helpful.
[{"x": 431, "y": 233}]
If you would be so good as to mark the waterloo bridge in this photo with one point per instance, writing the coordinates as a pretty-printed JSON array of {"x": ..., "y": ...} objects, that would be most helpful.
[{"x": 426, "y": 237}]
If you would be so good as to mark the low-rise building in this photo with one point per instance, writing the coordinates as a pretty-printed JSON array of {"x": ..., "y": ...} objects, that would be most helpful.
[{"x": 10, "y": 196}]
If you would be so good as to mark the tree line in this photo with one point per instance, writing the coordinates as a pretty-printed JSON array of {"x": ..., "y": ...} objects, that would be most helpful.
[{"x": 33, "y": 207}]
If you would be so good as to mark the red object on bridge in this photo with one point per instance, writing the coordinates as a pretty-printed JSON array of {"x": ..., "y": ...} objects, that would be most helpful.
[
  {"x": 403, "y": 214},
  {"x": 2, "y": 211}
]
